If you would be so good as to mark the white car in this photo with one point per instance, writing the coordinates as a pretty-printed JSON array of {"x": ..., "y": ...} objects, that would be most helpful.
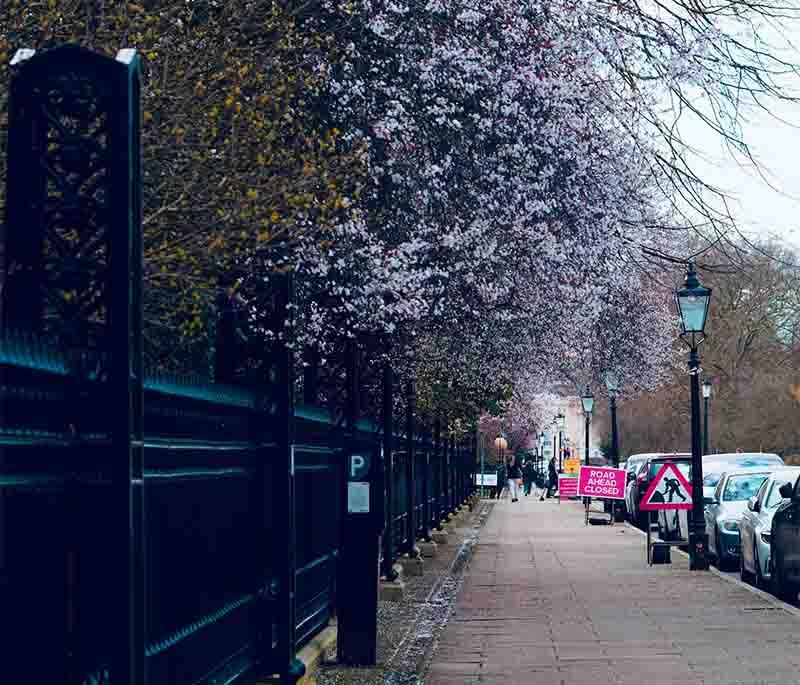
[{"x": 756, "y": 525}]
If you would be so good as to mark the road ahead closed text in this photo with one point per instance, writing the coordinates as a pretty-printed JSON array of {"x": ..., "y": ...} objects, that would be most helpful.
[{"x": 606, "y": 483}]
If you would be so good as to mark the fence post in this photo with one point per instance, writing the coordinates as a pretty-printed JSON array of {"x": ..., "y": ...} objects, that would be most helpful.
[
  {"x": 282, "y": 489},
  {"x": 411, "y": 487},
  {"x": 49, "y": 165},
  {"x": 445, "y": 473},
  {"x": 387, "y": 570},
  {"x": 438, "y": 458},
  {"x": 426, "y": 484},
  {"x": 453, "y": 472}
]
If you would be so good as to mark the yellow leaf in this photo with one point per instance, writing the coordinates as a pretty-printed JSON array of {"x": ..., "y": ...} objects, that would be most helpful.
[
  {"x": 147, "y": 116},
  {"x": 252, "y": 194}
]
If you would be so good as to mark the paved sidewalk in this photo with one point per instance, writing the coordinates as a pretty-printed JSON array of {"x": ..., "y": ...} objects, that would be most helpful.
[{"x": 547, "y": 601}]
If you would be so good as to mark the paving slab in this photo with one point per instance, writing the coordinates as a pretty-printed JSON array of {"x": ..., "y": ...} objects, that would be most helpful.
[{"x": 547, "y": 599}]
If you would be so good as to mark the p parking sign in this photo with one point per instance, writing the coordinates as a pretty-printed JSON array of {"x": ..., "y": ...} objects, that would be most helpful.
[{"x": 358, "y": 467}]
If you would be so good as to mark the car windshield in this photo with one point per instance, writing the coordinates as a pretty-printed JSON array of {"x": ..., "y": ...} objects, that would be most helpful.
[
  {"x": 743, "y": 487},
  {"x": 710, "y": 480},
  {"x": 683, "y": 466}
]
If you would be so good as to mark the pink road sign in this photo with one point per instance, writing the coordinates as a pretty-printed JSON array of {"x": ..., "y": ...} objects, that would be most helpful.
[
  {"x": 602, "y": 482},
  {"x": 567, "y": 487}
]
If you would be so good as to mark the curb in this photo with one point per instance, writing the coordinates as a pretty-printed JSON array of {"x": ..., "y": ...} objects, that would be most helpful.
[{"x": 763, "y": 594}]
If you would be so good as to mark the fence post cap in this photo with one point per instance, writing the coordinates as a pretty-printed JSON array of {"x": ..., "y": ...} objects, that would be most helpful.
[{"x": 22, "y": 55}]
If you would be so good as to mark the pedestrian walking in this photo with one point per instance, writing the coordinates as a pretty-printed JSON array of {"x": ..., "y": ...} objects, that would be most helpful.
[
  {"x": 528, "y": 475},
  {"x": 514, "y": 476},
  {"x": 552, "y": 478}
]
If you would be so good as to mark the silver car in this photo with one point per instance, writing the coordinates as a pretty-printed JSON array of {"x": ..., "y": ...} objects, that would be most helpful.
[
  {"x": 755, "y": 529},
  {"x": 724, "y": 512},
  {"x": 714, "y": 465}
]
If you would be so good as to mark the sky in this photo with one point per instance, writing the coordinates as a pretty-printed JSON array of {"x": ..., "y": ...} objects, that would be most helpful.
[{"x": 767, "y": 206}]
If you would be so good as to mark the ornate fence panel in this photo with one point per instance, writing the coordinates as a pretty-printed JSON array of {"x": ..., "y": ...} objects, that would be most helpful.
[{"x": 156, "y": 529}]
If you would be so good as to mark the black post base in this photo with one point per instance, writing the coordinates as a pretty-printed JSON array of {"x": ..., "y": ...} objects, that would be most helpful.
[{"x": 698, "y": 552}]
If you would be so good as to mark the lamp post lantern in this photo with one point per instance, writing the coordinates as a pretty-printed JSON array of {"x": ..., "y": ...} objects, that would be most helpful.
[
  {"x": 706, "y": 398},
  {"x": 692, "y": 301},
  {"x": 587, "y": 400}
]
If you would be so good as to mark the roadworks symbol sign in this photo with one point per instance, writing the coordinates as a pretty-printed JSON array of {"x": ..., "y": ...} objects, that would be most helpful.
[{"x": 669, "y": 490}]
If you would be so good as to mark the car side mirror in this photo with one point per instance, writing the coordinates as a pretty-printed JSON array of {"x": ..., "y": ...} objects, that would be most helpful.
[
  {"x": 630, "y": 477},
  {"x": 786, "y": 490},
  {"x": 709, "y": 500},
  {"x": 753, "y": 505}
]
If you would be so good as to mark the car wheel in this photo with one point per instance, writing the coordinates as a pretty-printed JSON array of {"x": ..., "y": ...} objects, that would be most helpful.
[
  {"x": 781, "y": 588},
  {"x": 744, "y": 574},
  {"x": 723, "y": 563}
]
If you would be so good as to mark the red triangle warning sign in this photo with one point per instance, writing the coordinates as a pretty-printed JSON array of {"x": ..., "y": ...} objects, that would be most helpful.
[{"x": 669, "y": 490}]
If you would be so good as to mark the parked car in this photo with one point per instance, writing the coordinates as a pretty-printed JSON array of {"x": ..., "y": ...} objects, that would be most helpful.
[
  {"x": 785, "y": 544},
  {"x": 714, "y": 465},
  {"x": 647, "y": 472},
  {"x": 675, "y": 525},
  {"x": 724, "y": 513},
  {"x": 755, "y": 529},
  {"x": 632, "y": 465}
]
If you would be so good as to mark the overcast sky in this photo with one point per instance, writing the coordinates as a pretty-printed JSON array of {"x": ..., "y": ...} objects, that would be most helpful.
[{"x": 761, "y": 211}]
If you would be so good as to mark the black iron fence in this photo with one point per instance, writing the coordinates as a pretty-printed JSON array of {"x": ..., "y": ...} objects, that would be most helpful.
[{"x": 156, "y": 529}]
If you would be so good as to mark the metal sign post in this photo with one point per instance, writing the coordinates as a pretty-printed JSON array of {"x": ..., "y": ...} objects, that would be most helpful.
[{"x": 669, "y": 491}]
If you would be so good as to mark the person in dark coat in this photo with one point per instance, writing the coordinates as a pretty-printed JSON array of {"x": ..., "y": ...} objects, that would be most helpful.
[
  {"x": 528, "y": 476},
  {"x": 552, "y": 478}
]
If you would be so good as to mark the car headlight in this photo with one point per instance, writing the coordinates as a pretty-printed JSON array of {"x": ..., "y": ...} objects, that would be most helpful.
[
  {"x": 766, "y": 536},
  {"x": 730, "y": 525}
]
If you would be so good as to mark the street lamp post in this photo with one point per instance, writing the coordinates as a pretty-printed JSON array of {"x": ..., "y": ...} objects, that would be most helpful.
[
  {"x": 706, "y": 397},
  {"x": 560, "y": 422},
  {"x": 541, "y": 449},
  {"x": 692, "y": 301},
  {"x": 588, "y": 404},
  {"x": 500, "y": 444},
  {"x": 612, "y": 385}
]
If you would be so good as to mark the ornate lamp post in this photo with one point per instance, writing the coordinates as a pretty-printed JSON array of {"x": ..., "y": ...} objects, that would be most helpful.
[
  {"x": 588, "y": 404},
  {"x": 612, "y": 385},
  {"x": 706, "y": 397},
  {"x": 692, "y": 301},
  {"x": 561, "y": 421},
  {"x": 500, "y": 444},
  {"x": 541, "y": 449}
]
